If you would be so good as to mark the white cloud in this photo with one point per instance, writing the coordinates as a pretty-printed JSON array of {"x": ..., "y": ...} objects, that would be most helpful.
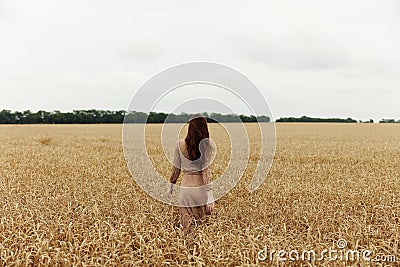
[{"x": 308, "y": 57}]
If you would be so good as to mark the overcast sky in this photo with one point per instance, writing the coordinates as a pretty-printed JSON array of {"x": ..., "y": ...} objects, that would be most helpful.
[{"x": 308, "y": 57}]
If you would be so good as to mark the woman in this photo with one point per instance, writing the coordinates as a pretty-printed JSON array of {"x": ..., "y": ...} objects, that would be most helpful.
[{"x": 193, "y": 157}]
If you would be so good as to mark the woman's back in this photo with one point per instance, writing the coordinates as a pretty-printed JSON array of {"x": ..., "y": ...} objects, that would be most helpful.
[
  {"x": 187, "y": 165},
  {"x": 195, "y": 196}
]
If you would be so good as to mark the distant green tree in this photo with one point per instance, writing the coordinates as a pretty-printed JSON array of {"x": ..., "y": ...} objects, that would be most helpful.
[
  {"x": 7, "y": 117},
  {"x": 387, "y": 121},
  {"x": 106, "y": 116},
  {"x": 309, "y": 119}
]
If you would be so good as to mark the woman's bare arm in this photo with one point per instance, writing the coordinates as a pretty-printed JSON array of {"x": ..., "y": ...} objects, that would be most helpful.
[
  {"x": 207, "y": 181},
  {"x": 176, "y": 169}
]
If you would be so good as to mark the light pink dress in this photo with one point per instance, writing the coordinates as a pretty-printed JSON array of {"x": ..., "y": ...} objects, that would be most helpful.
[{"x": 193, "y": 176}]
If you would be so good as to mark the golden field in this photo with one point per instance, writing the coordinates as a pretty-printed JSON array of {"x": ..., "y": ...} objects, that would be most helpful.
[{"x": 67, "y": 198}]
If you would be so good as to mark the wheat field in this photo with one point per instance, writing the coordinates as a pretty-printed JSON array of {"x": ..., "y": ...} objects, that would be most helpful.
[{"x": 67, "y": 199}]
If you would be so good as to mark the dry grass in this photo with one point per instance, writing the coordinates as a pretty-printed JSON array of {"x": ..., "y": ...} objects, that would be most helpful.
[
  {"x": 73, "y": 202},
  {"x": 45, "y": 141}
]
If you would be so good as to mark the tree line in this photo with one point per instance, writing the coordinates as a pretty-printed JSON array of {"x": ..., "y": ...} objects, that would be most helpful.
[
  {"x": 309, "y": 119},
  {"x": 120, "y": 116},
  {"x": 108, "y": 116},
  {"x": 57, "y": 117},
  {"x": 389, "y": 121},
  {"x": 348, "y": 120}
]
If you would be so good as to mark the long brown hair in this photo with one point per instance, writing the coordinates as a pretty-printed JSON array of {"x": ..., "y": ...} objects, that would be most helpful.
[{"x": 197, "y": 131}]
